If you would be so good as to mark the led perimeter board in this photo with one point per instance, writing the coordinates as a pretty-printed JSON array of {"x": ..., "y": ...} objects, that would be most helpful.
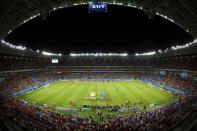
[{"x": 97, "y": 7}]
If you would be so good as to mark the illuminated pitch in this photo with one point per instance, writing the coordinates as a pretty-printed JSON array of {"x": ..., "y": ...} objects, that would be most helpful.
[{"x": 81, "y": 95}]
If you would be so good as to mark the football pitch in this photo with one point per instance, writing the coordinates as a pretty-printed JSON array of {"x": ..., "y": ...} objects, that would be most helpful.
[
  {"x": 75, "y": 94},
  {"x": 62, "y": 93}
]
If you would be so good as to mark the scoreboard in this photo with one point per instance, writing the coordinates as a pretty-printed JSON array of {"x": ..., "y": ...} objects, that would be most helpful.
[
  {"x": 55, "y": 61},
  {"x": 97, "y": 7}
]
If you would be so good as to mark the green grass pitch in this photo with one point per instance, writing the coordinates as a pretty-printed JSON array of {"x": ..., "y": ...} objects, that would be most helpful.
[
  {"x": 72, "y": 94},
  {"x": 62, "y": 93}
]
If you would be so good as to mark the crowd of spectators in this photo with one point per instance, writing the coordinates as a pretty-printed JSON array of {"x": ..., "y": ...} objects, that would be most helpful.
[
  {"x": 160, "y": 118},
  {"x": 170, "y": 81},
  {"x": 184, "y": 62},
  {"x": 28, "y": 117},
  {"x": 176, "y": 62}
]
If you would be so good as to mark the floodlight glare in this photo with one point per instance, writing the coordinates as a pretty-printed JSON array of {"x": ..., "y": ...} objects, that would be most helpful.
[
  {"x": 98, "y": 54},
  {"x": 50, "y": 54}
]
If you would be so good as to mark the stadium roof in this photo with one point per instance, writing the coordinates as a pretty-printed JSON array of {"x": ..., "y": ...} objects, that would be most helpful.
[{"x": 13, "y": 13}]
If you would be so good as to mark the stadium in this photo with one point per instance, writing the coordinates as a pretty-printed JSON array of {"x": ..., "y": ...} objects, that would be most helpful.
[{"x": 98, "y": 65}]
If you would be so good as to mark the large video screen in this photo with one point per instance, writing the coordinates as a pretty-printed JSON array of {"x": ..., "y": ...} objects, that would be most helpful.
[
  {"x": 97, "y": 7},
  {"x": 55, "y": 61}
]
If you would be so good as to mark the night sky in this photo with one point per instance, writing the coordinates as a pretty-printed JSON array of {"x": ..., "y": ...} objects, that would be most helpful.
[{"x": 121, "y": 29}]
